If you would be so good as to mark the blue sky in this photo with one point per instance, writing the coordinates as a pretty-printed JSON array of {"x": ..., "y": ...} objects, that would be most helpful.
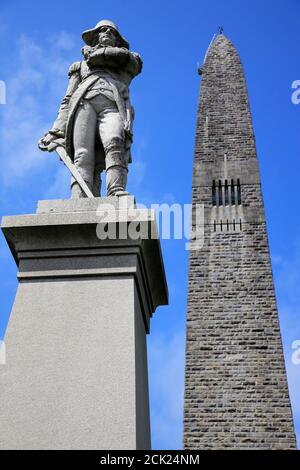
[{"x": 39, "y": 40}]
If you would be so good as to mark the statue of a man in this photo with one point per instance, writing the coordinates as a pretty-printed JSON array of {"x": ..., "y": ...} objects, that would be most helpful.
[{"x": 94, "y": 122}]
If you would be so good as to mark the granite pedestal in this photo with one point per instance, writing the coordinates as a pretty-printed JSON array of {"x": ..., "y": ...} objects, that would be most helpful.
[{"x": 76, "y": 373}]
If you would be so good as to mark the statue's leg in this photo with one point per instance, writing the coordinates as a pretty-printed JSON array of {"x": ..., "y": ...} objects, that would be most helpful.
[
  {"x": 116, "y": 179},
  {"x": 99, "y": 167},
  {"x": 96, "y": 190},
  {"x": 84, "y": 146},
  {"x": 111, "y": 129}
]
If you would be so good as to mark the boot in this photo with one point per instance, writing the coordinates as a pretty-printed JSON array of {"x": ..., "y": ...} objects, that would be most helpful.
[{"x": 116, "y": 180}]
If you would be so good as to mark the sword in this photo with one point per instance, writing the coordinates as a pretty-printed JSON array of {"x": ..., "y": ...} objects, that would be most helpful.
[
  {"x": 70, "y": 165},
  {"x": 64, "y": 157}
]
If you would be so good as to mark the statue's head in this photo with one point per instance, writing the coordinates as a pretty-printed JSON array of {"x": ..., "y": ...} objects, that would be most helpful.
[{"x": 105, "y": 33}]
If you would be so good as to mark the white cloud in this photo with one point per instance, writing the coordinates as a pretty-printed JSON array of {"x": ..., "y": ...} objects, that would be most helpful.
[
  {"x": 63, "y": 41},
  {"x": 35, "y": 83},
  {"x": 293, "y": 372},
  {"x": 287, "y": 281}
]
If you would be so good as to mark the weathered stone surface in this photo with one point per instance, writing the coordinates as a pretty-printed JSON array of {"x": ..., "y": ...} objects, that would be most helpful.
[
  {"x": 236, "y": 393},
  {"x": 93, "y": 129},
  {"x": 76, "y": 372}
]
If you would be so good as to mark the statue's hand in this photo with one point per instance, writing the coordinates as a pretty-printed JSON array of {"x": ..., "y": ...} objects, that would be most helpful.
[
  {"x": 87, "y": 51},
  {"x": 49, "y": 142},
  {"x": 108, "y": 56},
  {"x": 96, "y": 57}
]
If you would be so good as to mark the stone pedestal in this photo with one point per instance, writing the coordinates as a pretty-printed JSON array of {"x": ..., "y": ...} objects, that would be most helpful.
[{"x": 76, "y": 373}]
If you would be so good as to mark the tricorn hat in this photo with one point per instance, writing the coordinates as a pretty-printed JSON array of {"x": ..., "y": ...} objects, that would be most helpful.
[{"x": 89, "y": 35}]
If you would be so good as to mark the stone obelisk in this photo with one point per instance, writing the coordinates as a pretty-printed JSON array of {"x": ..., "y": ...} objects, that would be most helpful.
[
  {"x": 90, "y": 274},
  {"x": 236, "y": 393}
]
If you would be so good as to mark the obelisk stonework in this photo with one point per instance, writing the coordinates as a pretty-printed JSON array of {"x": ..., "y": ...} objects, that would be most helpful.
[{"x": 236, "y": 393}]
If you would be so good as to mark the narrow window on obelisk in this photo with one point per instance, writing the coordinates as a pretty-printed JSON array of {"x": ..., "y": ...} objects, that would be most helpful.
[
  {"x": 232, "y": 193},
  {"x": 220, "y": 193},
  {"x": 214, "y": 194},
  {"x": 226, "y": 193},
  {"x": 239, "y": 195}
]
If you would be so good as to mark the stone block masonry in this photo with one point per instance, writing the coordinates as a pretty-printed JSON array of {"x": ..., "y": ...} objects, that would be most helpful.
[{"x": 236, "y": 393}]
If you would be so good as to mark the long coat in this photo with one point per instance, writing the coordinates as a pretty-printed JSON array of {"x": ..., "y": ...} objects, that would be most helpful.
[{"x": 81, "y": 80}]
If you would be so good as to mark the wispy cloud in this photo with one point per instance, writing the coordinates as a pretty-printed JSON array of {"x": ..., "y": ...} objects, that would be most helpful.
[
  {"x": 35, "y": 83},
  {"x": 287, "y": 281}
]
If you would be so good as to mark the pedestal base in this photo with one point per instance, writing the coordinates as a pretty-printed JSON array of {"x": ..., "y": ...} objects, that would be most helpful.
[{"x": 76, "y": 372}]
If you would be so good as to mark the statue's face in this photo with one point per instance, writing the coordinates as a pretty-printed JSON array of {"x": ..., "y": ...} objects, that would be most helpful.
[{"x": 107, "y": 36}]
